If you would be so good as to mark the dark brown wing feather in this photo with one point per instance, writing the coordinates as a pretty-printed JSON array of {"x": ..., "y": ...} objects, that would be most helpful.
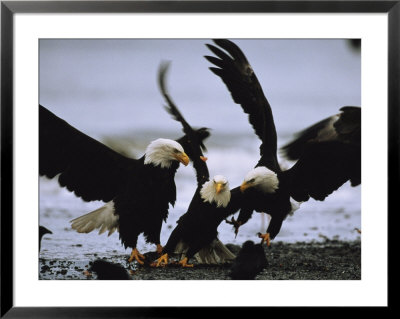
[
  {"x": 328, "y": 155},
  {"x": 171, "y": 107},
  {"x": 345, "y": 127},
  {"x": 240, "y": 79},
  {"x": 87, "y": 167},
  {"x": 348, "y": 125},
  {"x": 192, "y": 142},
  {"x": 322, "y": 169}
]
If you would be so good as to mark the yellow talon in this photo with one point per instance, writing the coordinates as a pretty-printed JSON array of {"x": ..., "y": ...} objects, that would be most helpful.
[
  {"x": 137, "y": 256},
  {"x": 161, "y": 262},
  {"x": 265, "y": 237},
  {"x": 184, "y": 263}
]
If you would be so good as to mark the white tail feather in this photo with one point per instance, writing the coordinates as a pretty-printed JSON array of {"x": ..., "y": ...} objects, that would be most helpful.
[
  {"x": 213, "y": 254},
  {"x": 103, "y": 218}
]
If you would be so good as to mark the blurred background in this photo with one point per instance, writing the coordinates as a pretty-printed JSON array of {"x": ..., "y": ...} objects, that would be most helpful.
[{"x": 108, "y": 89}]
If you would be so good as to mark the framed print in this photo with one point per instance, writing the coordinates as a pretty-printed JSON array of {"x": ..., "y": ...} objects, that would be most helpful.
[{"x": 109, "y": 69}]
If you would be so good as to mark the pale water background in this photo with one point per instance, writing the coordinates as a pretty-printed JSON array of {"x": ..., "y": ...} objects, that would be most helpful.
[{"x": 108, "y": 90}]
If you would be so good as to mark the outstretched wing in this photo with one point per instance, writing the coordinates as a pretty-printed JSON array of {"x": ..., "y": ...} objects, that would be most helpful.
[
  {"x": 240, "y": 79},
  {"x": 328, "y": 155},
  {"x": 85, "y": 166},
  {"x": 345, "y": 127},
  {"x": 323, "y": 168},
  {"x": 192, "y": 142}
]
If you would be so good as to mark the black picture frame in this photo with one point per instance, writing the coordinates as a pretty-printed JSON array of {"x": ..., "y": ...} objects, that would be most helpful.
[{"x": 9, "y": 8}]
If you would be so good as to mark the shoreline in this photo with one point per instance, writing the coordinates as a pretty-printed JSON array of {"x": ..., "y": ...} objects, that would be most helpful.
[{"x": 327, "y": 260}]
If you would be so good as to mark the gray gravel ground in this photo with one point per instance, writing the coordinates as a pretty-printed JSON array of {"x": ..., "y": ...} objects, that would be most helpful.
[{"x": 328, "y": 260}]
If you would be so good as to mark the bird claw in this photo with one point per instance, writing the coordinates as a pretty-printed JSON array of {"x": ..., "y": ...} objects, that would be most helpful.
[
  {"x": 161, "y": 262},
  {"x": 230, "y": 221},
  {"x": 184, "y": 263},
  {"x": 265, "y": 237},
  {"x": 236, "y": 224},
  {"x": 137, "y": 256}
]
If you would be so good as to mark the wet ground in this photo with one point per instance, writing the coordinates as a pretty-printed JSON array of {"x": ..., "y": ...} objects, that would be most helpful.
[{"x": 326, "y": 260}]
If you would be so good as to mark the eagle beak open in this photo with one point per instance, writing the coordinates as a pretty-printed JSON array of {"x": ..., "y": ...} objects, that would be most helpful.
[
  {"x": 244, "y": 186},
  {"x": 183, "y": 158},
  {"x": 218, "y": 188}
]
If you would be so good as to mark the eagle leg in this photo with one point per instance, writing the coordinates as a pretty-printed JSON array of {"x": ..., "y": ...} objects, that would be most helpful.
[
  {"x": 184, "y": 263},
  {"x": 236, "y": 224},
  {"x": 265, "y": 237},
  {"x": 159, "y": 249},
  {"x": 137, "y": 256},
  {"x": 161, "y": 262}
]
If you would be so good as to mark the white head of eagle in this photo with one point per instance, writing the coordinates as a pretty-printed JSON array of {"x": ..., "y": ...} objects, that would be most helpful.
[
  {"x": 216, "y": 191},
  {"x": 162, "y": 152},
  {"x": 261, "y": 178}
]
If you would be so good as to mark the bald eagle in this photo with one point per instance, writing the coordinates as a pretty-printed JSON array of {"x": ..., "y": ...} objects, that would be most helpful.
[
  {"x": 212, "y": 201},
  {"x": 328, "y": 154},
  {"x": 137, "y": 192}
]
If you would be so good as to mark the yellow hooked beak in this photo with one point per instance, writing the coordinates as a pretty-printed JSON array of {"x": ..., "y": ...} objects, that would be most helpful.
[
  {"x": 183, "y": 158},
  {"x": 244, "y": 186},
  {"x": 218, "y": 187}
]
